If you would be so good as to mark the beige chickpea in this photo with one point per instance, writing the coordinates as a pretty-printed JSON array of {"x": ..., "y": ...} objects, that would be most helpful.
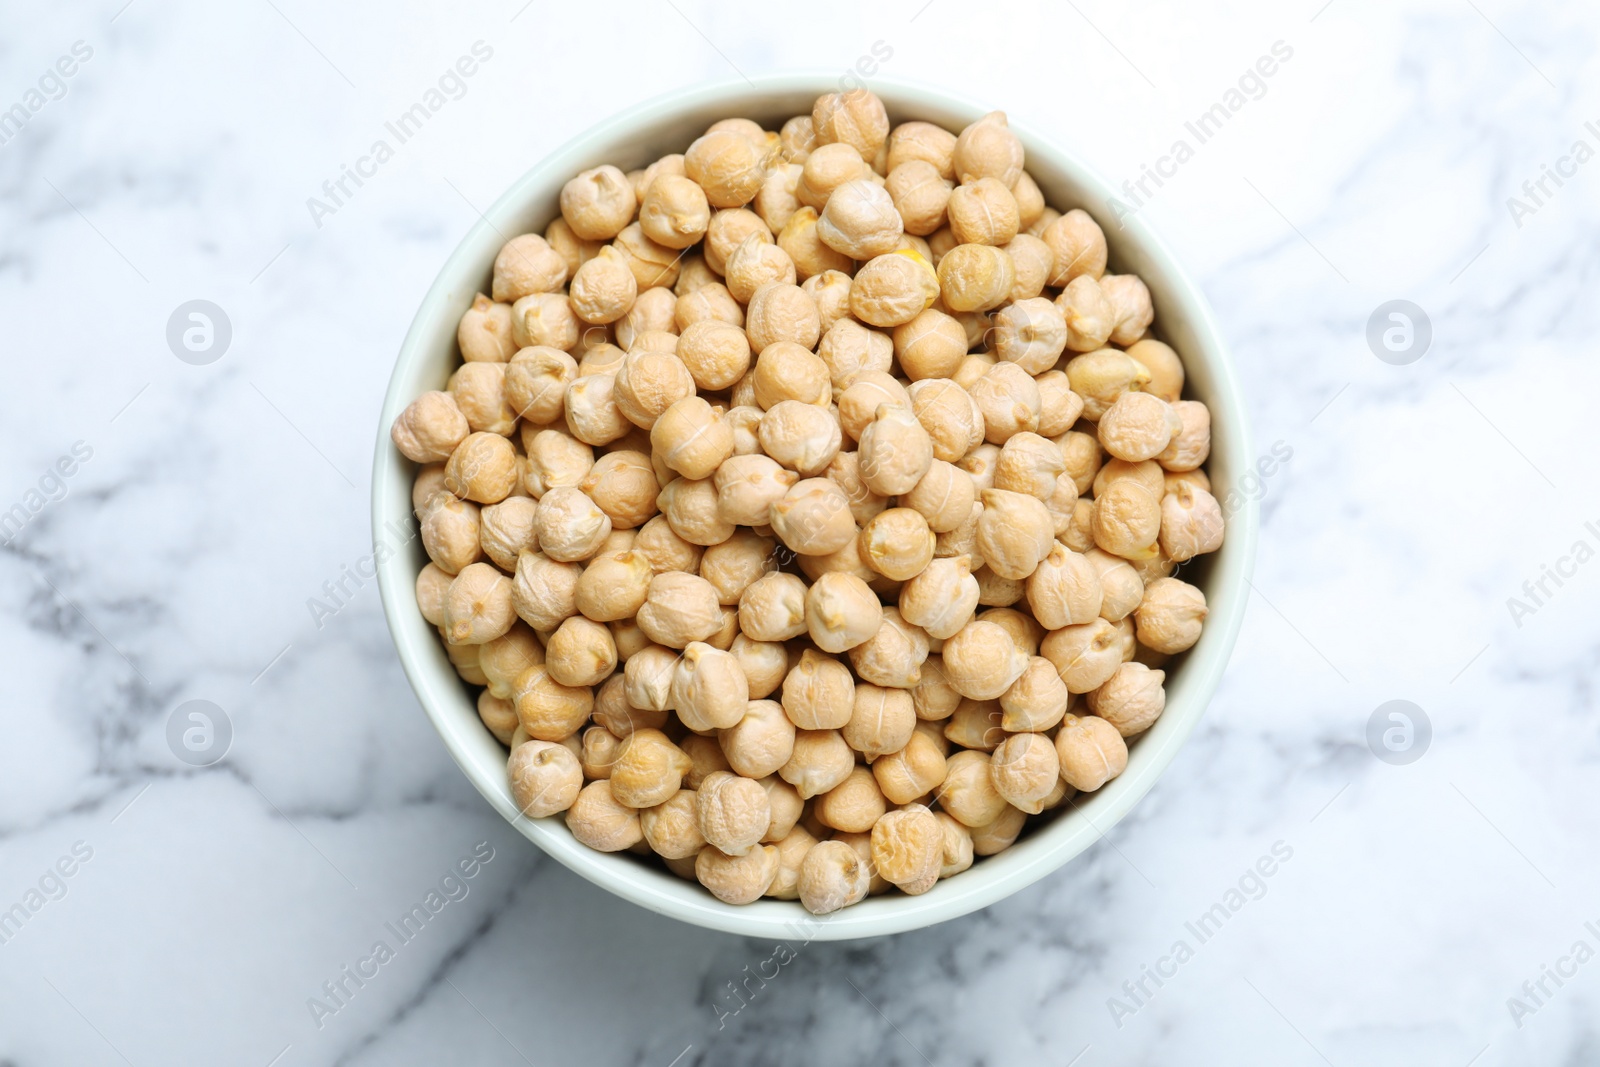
[
  {"x": 1025, "y": 631},
  {"x": 940, "y": 242},
  {"x": 647, "y": 769},
  {"x": 477, "y": 606},
  {"x": 912, "y": 772},
  {"x": 432, "y": 584},
  {"x": 1008, "y": 399},
  {"x": 831, "y": 291},
  {"x": 788, "y": 371},
  {"x": 1091, "y": 752},
  {"x": 1084, "y": 655},
  {"x": 527, "y": 264},
  {"x": 856, "y": 118},
  {"x": 832, "y": 876},
  {"x": 1079, "y": 246},
  {"x": 716, "y": 353},
  {"x": 895, "y": 451},
  {"x": 485, "y": 331},
  {"x": 1191, "y": 444},
  {"x": 797, "y": 138},
  {"x": 755, "y": 264},
  {"x": 761, "y": 742},
  {"x": 908, "y": 848},
  {"x": 623, "y": 485},
  {"x": 544, "y": 319},
  {"x": 665, "y": 549},
  {"x": 893, "y": 656},
  {"x": 1120, "y": 584},
  {"x": 431, "y": 428},
  {"x": 778, "y": 198},
  {"x": 988, "y": 149},
  {"x": 680, "y": 609},
  {"x": 866, "y": 391},
  {"x": 429, "y": 480},
  {"x": 1082, "y": 454},
  {"x": 1088, "y": 315},
  {"x": 853, "y": 805},
  {"x": 1043, "y": 222},
  {"x": 1065, "y": 590},
  {"x": 597, "y": 751},
  {"x": 981, "y": 661},
  {"x": 653, "y": 264},
  {"x": 821, "y": 761},
  {"x": 556, "y": 460},
  {"x": 800, "y": 436},
  {"x": 705, "y": 757},
  {"x": 943, "y": 497},
  {"x": 826, "y": 169},
  {"x": 983, "y": 212},
  {"x": 709, "y": 689},
  {"x": 1127, "y": 519},
  {"x": 672, "y": 827},
  {"x": 958, "y": 851},
  {"x": 591, "y": 410},
  {"x": 893, "y": 289},
  {"x": 1101, "y": 377},
  {"x": 1131, "y": 700},
  {"x": 691, "y": 438},
  {"x": 478, "y": 390},
  {"x": 648, "y": 383},
  {"x": 599, "y": 820},
  {"x": 548, "y": 710},
  {"x": 787, "y": 808},
  {"x": 739, "y": 879},
  {"x": 1163, "y": 366},
  {"x": 1029, "y": 464},
  {"x": 1030, "y": 199},
  {"x": 931, "y": 345},
  {"x": 1031, "y": 334},
  {"x": 1025, "y": 769},
  {"x": 975, "y": 725},
  {"x": 941, "y": 599},
  {"x": 1000, "y": 833},
  {"x": 967, "y": 793},
  {"x": 1059, "y": 406},
  {"x": 674, "y": 211},
  {"x": 1170, "y": 616},
  {"x": 570, "y": 526},
  {"x": 975, "y": 277},
  {"x": 653, "y": 310},
  {"x": 772, "y": 608},
  {"x": 734, "y": 565},
  {"x": 1138, "y": 427},
  {"x": 860, "y": 220},
  {"x": 973, "y": 366},
  {"x": 813, "y": 518},
  {"x": 844, "y": 469},
  {"x": 464, "y": 658},
  {"x": 841, "y": 612},
  {"x": 792, "y": 850},
  {"x": 544, "y": 777},
  {"x": 572, "y": 249},
  {"x": 598, "y": 203},
  {"x": 818, "y": 692},
  {"x": 882, "y": 720},
  {"x": 951, "y": 415},
  {"x": 604, "y": 358},
  {"x": 800, "y": 239},
  {"x": 995, "y": 591},
  {"x": 765, "y": 664},
  {"x": 961, "y": 541},
  {"x": 782, "y": 313},
  {"x": 647, "y": 677},
  {"x": 544, "y": 591},
  {"x": 613, "y": 587},
  {"x": 747, "y": 486},
  {"x": 727, "y": 166},
  {"x": 1015, "y": 533},
  {"x": 897, "y": 543},
  {"x": 922, "y": 141},
  {"x": 1191, "y": 523},
  {"x": 1153, "y": 566},
  {"x": 733, "y": 812},
  {"x": 450, "y": 533},
  {"x": 1033, "y": 262},
  {"x": 581, "y": 652},
  {"x": 920, "y": 195},
  {"x": 1132, "y": 311},
  {"x": 728, "y": 229},
  {"x": 849, "y": 350},
  {"x": 536, "y": 382},
  {"x": 1036, "y": 701},
  {"x": 934, "y": 697}
]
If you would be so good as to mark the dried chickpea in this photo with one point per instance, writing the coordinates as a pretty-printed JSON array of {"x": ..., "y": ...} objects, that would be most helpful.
[
  {"x": 1170, "y": 616},
  {"x": 895, "y": 451},
  {"x": 648, "y": 383},
  {"x": 429, "y": 480},
  {"x": 1132, "y": 699},
  {"x": 941, "y": 598},
  {"x": 556, "y": 460},
  {"x": 1091, "y": 752},
  {"x": 908, "y": 848},
  {"x": 911, "y": 773},
  {"x": 477, "y": 606},
  {"x": 859, "y": 402},
  {"x": 484, "y": 333},
  {"x": 850, "y": 350},
  {"x": 691, "y": 438},
  {"x": 599, "y": 820},
  {"x": 1029, "y": 464},
  {"x": 665, "y": 550},
  {"x": 431, "y": 428},
  {"x": 1084, "y": 655},
  {"x": 581, "y": 653},
  {"x": 1015, "y": 533},
  {"x": 856, "y": 118},
  {"x": 479, "y": 392},
  {"x": 544, "y": 777},
  {"x": 893, "y": 288},
  {"x": 544, "y": 319},
  {"x": 1008, "y": 400},
  {"x": 623, "y": 485},
  {"x": 882, "y": 720},
  {"x": 727, "y": 166},
  {"x": 1030, "y": 199},
  {"x": 931, "y": 345},
  {"x": 772, "y": 608},
  {"x": 672, "y": 828},
  {"x": 680, "y": 609},
  {"x": 450, "y": 533},
  {"x": 792, "y": 850},
  {"x": 747, "y": 486},
  {"x": 716, "y": 353},
  {"x": 605, "y": 358},
  {"x": 782, "y": 313},
  {"x": 1120, "y": 584},
  {"x": 778, "y": 198},
  {"x": 729, "y": 229},
  {"x": 548, "y": 710},
  {"x": 893, "y": 656},
  {"x": 544, "y": 591},
  {"x": 797, "y": 139},
  {"x": 1163, "y": 366},
  {"x": 1079, "y": 246},
  {"x": 734, "y": 565},
  {"x": 818, "y": 692},
  {"x": 852, "y": 806},
  {"x": 1191, "y": 523},
  {"x": 613, "y": 587},
  {"x": 826, "y": 169},
  {"x": 800, "y": 436},
  {"x": 1065, "y": 590},
  {"x": 841, "y": 612},
  {"x": 973, "y": 366},
  {"x": 995, "y": 591},
  {"x": 999, "y": 834},
  {"x": 897, "y": 543},
  {"x": 709, "y": 689},
  {"x": 975, "y": 725},
  {"x": 922, "y": 141},
  {"x": 464, "y": 658},
  {"x": 944, "y": 497},
  {"x": 536, "y": 382},
  {"x": 844, "y": 469},
  {"x": 813, "y": 518},
  {"x": 920, "y": 195},
  {"x": 1138, "y": 427},
  {"x": 1025, "y": 769},
  {"x": 1131, "y": 309},
  {"x": 1037, "y": 700},
  {"x": 933, "y": 697},
  {"x": 652, "y": 264},
  {"x": 647, "y": 769},
  {"x": 1191, "y": 444},
  {"x": 832, "y": 876},
  {"x": 983, "y": 212},
  {"x": 821, "y": 761},
  {"x": 981, "y": 661},
  {"x": 761, "y": 742},
  {"x": 432, "y": 584},
  {"x": 572, "y": 249},
  {"x": 1032, "y": 261},
  {"x": 652, "y": 311},
  {"x": 975, "y": 277},
  {"x": 831, "y": 291},
  {"x": 1127, "y": 519},
  {"x": 950, "y": 414},
  {"x": 765, "y": 663},
  {"x": 800, "y": 239},
  {"x": 961, "y": 541},
  {"x": 755, "y": 264},
  {"x": 570, "y": 526},
  {"x": 597, "y": 751},
  {"x": 733, "y": 812},
  {"x": 988, "y": 149},
  {"x": 967, "y": 793},
  {"x": 1059, "y": 406},
  {"x": 860, "y": 220},
  {"x": 674, "y": 211},
  {"x": 647, "y": 678},
  {"x": 1031, "y": 334},
  {"x": 1101, "y": 377},
  {"x": 483, "y": 468}
]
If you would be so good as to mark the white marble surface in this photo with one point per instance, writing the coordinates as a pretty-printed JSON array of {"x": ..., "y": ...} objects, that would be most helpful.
[{"x": 218, "y": 498}]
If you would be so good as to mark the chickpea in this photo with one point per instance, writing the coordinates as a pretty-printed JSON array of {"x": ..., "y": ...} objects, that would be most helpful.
[
  {"x": 556, "y": 460},
  {"x": 1084, "y": 655},
  {"x": 975, "y": 725},
  {"x": 654, "y": 311},
  {"x": 797, "y": 139},
  {"x": 1138, "y": 426},
  {"x": 920, "y": 195},
  {"x": 967, "y": 793},
  {"x": 652, "y": 264},
  {"x": 727, "y": 166},
  {"x": 800, "y": 436},
  {"x": 464, "y": 658},
  {"x": 800, "y": 239},
  {"x": 1065, "y": 590},
  {"x": 893, "y": 289},
  {"x": 895, "y": 451},
  {"x": 988, "y": 149},
  {"x": 1025, "y": 768},
  {"x": 859, "y": 401},
  {"x": 650, "y": 382},
  {"x": 1088, "y": 315},
  {"x": 597, "y": 751},
  {"x": 841, "y": 612},
  {"x": 647, "y": 769},
  {"x": 973, "y": 366},
  {"x": 477, "y": 606},
  {"x": 778, "y": 198},
  {"x": 849, "y": 350},
  {"x": 672, "y": 828},
  {"x": 1029, "y": 464},
  {"x": 882, "y": 721},
  {"x": 450, "y": 533},
  {"x": 792, "y": 849},
  {"x": 1162, "y": 365},
  {"x": 716, "y": 353},
  {"x": 755, "y": 264},
  {"x": 826, "y": 169},
  {"x": 591, "y": 410},
  {"x": 605, "y": 358},
  {"x": 623, "y": 485},
  {"x": 647, "y": 678},
  {"x": 1079, "y": 246},
  {"x": 1191, "y": 523},
  {"x": 570, "y": 526},
  {"x": 995, "y": 591},
  {"x": 432, "y": 585},
  {"x": 999, "y": 834},
  {"x": 765, "y": 663},
  {"x": 908, "y": 848},
  {"x": 860, "y": 220},
  {"x": 933, "y": 697},
  {"x": 845, "y": 471},
  {"x": 950, "y": 414},
  {"x": 733, "y": 812},
  {"x": 1008, "y": 400},
  {"x": 747, "y": 486},
  {"x": 1082, "y": 453},
  {"x": 680, "y": 609},
  {"x": 544, "y": 591},
  {"x": 821, "y": 761},
  {"x": 772, "y": 608},
  {"x": 572, "y": 249},
  {"x": 943, "y": 497},
  {"x": 1031, "y": 334},
  {"x": 1120, "y": 584},
  {"x": 1170, "y": 616},
  {"x": 818, "y": 692},
  {"x": 981, "y": 661},
  {"x": 479, "y": 392},
  {"x": 536, "y": 381},
  {"x": 431, "y": 428},
  {"x": 665, "y": 550},
  {"x": 1091, "y": 752},
  {"x": 526, "y": 264},
  {"x": 931, "y": 345},
  {"x": 674, "y": 212},
  {"x": 599, "y": 820},
  {"x": 1131, "y": 700},
  {"x": 761, "y": 742},
  {"x": 832, "y": 876},
  {"x": 548, "y": 710},
  {"x": 1127, "y": 519},
  {"x": 941, "y": 599},
  {"x": 544, "y": 777},
  {"x": 984, "y": 212},
  {"x": 429, "y": 480},
  {"x": 782, "y": 313},
  {"x": 893, "y": 656},
  {"x": 912, "y": 772},
  {"x": 787, "y": 809},
  {"x": 813, "y": 518},
  {"x": 691, "y": 438},
  {"x": 1132, "y": 312},
  {"x": 853, "y": 805},
  {"x": 504, "y": 658},
  {"x": 581, "y": 652},
  {"x": 975, "y": 277},
  {"x": 544, "y": 319},
  {"x": 1191, "y": 444},
  {"x": 925, "y": 142},
  {"x": 1015, "y": 533},
  {"x": 709, "y": 690},
  {"x": 1036, "y": 701},
  {"x": 897, "y": 543},
  {"x": 1059, "y": 406},
  {"x": 856, "y": 118},
  {"x": 734, "y": 565},
  {"x": 963, "y": 540}
]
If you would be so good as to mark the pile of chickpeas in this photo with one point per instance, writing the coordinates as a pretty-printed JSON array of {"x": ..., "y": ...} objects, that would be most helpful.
[{"x": 807, "y": 506}]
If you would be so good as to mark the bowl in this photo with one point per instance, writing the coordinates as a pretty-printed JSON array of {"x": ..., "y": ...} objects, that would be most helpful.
[{"x": 631, "y": 140}]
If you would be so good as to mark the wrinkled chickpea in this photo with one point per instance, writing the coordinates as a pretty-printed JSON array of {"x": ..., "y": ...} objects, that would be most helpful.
[
  {"x": 1191, "y": 523},
  {"x": 1025, "y": 769},
  {"x": 975, "y": 277},
  {"x": 1191, "y": 444},
  {"x": 479, "y": 392},
  {"x": 860, "y": 220},
  {"x": 545, "y": 778},
  {"x": 1091, "y": 752},
  {"x": 983, "y": 212},
  {"x": 1084, "y": 655},
  {"x": 931, "y": 345},
  {"x": 1079, "y": 246},
  {"x": 1162, "y": 365},
  {"x": 832, "y": 876},
  {"x": 477, "y": 606},
  {"x": 431, "y": 428},
  {"x": 894, "y": 288},
  {"x": 1169, "y": 617},
  {"x": 821, "y": 761},
  {"x": 800, "y": 239}
]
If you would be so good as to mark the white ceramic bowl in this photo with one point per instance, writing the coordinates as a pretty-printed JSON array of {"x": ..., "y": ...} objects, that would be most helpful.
[{"x": 631, "y": 140}]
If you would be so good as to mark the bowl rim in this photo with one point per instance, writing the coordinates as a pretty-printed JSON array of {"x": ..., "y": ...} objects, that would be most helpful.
[{"x": 1042, "y": 851}]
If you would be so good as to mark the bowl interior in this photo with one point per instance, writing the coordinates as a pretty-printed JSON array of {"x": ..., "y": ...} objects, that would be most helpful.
[{"x": 632, "y": 140}]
